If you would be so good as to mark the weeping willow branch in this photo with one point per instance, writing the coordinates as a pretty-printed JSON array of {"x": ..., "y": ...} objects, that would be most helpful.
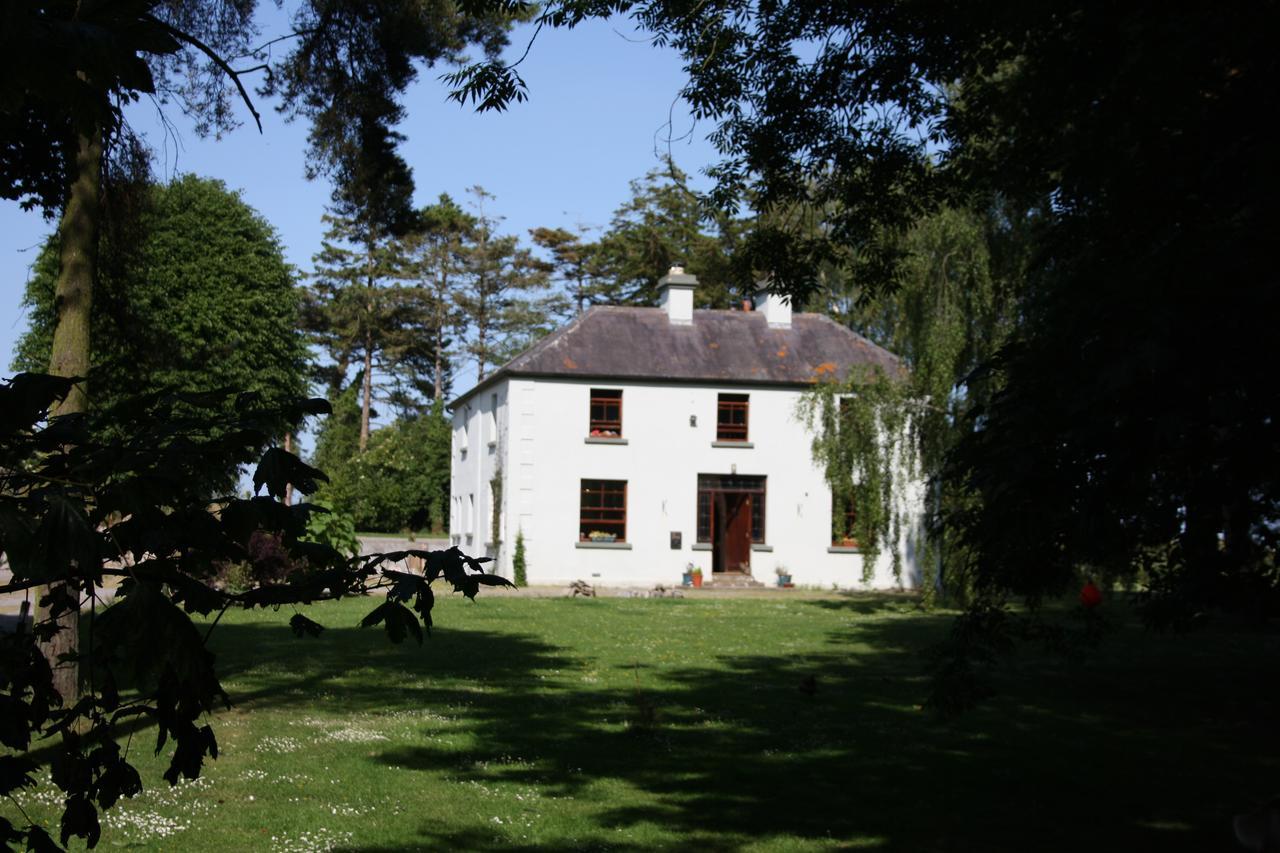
[{"x": 867, "y": 441}]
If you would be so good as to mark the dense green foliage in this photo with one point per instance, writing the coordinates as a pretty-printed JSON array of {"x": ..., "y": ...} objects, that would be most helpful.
[
  {"x": 961, "y": 278},
  {"x": 665, "y": 224},
  {"x": 335, "y": 529},
  {"x": 400, "y": 482},
  {"x": 199, "y": 299}
]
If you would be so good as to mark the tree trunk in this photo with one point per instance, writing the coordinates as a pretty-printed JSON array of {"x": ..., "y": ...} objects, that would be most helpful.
[
  {"x": 288, "y": 489},
  {"x": 482, "y": 327},
  {"x": 441, "y": 294},
  {"x": 367, "y": 395},
  {"x": 78, "y": 239},
  {"x": 366, "y": 402}
]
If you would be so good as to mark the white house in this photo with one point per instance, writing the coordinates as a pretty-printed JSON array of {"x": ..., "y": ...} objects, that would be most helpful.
[{"x": 635, "y": 441}]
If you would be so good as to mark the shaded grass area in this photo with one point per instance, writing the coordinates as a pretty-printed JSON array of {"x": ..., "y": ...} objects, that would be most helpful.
[{"x": 721, "y": 724}]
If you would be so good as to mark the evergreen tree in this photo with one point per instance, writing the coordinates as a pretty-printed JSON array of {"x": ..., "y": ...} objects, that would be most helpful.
[
  {"x": 353, "y": 309},
  {"x": 576, "y": 263},
  {"x": 431, "y": 264},
  {"x": 501, "y": 286},
  {"x": 663, "y": 224}
]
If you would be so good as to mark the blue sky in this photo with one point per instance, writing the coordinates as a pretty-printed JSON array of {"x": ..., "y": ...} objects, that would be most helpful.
[{"x": 600, "y": 96}]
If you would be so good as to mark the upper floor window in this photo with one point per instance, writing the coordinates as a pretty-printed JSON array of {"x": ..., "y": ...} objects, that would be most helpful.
[
  {"x": 606, "y": 413},
  {"x": 603, "y": 511},
  {"x": 731, "y": 417}
]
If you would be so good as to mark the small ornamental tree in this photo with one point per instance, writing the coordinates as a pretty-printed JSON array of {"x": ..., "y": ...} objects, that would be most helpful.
[
  {"x": 518, "y": 561},
  {"x": 78, "y": 508}
]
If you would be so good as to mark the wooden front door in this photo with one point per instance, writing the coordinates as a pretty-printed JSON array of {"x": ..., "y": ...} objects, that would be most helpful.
[{"x": 731, "y": 542}]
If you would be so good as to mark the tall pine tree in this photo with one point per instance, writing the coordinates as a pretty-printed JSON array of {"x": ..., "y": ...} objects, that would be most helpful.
[
  {"x": 503, "y": 291},
  {"x": 431, "y": 264}
]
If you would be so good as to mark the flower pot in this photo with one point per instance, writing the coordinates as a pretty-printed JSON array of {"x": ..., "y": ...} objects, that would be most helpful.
[
  {"x": 784, "y": 580},
  {"x": 697, "y": 580},
  {"x": 686, "y": 579}
]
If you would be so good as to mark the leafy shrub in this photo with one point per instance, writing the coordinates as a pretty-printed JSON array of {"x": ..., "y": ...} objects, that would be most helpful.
[
  {"x": 400, "y": 482},
  {"x": 517, "y": 560},
  {"x": 332, "y": 528}
]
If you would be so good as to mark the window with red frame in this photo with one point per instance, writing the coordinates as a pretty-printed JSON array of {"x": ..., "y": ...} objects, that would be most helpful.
[
  {"x": 606, "y": 413},
  {"x": 731, "y": 417},
  {"x": 603, "y": 511},
  {"x": 844, "y": 512}
]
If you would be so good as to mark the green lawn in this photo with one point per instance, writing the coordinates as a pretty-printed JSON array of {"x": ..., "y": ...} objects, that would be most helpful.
[{"x": 631, "y": 724}]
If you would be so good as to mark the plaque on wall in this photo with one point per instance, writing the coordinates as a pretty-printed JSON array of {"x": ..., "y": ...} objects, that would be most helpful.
[{"x": 676, "y": 538}]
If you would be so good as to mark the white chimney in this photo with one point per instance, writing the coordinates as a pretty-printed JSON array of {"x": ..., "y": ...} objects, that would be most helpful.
[
  {"x": 675, "y": 295},
  {"x": 776, "y": 308}
]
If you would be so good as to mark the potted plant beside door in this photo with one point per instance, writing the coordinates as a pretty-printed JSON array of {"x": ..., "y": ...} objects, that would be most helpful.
[
  {"x": 784, "y": 576},
  {"x": 696, "y": 575}
]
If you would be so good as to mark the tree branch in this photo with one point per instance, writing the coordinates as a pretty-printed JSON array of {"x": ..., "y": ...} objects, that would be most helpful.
[
  {"x": 216, "y": 59},
  {"x": 266, "y": 44}
]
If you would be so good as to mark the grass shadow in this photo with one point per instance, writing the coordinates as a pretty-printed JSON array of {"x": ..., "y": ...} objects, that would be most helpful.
[
  {"x": 832, "y": 747},
  {"x": 722, "y": 725}
]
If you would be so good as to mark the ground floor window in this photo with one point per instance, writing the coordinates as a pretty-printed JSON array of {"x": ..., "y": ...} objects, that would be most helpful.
[
  {"x": 603, "y": 511},
  {"x": 844, "y": 512},
  {"x": 716, "y": 495}
]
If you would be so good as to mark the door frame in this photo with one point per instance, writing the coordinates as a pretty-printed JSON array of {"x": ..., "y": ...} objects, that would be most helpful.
[{"x": 753, "y": 488}]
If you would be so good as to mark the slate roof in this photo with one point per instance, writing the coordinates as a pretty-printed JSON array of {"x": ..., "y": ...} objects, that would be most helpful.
[{"x": 727, "y": 347}]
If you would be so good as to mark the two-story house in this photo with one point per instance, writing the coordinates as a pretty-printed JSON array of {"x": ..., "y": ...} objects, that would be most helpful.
[{"x": 635, "y": 441}]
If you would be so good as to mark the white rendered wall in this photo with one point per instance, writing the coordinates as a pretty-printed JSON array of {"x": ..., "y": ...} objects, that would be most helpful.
[
  {"x": 544, "y": 456},
  {"x": 479, "y": 443}
]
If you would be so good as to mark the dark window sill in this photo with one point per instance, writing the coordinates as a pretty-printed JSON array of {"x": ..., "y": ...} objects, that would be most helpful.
[
  {"x": 595, "y": 439},
  {"x": 746, "y": 445},
  {"x": 760, "y": 546},
  {"x": 604, "y": 546},
  {"x": 702, "y": 546}
]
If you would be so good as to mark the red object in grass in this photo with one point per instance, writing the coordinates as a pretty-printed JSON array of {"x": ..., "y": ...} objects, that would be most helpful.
[{"x": 1090, "y": 596}]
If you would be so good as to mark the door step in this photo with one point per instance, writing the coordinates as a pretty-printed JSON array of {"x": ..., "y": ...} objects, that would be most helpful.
[{"x": 733, "y": 580}]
